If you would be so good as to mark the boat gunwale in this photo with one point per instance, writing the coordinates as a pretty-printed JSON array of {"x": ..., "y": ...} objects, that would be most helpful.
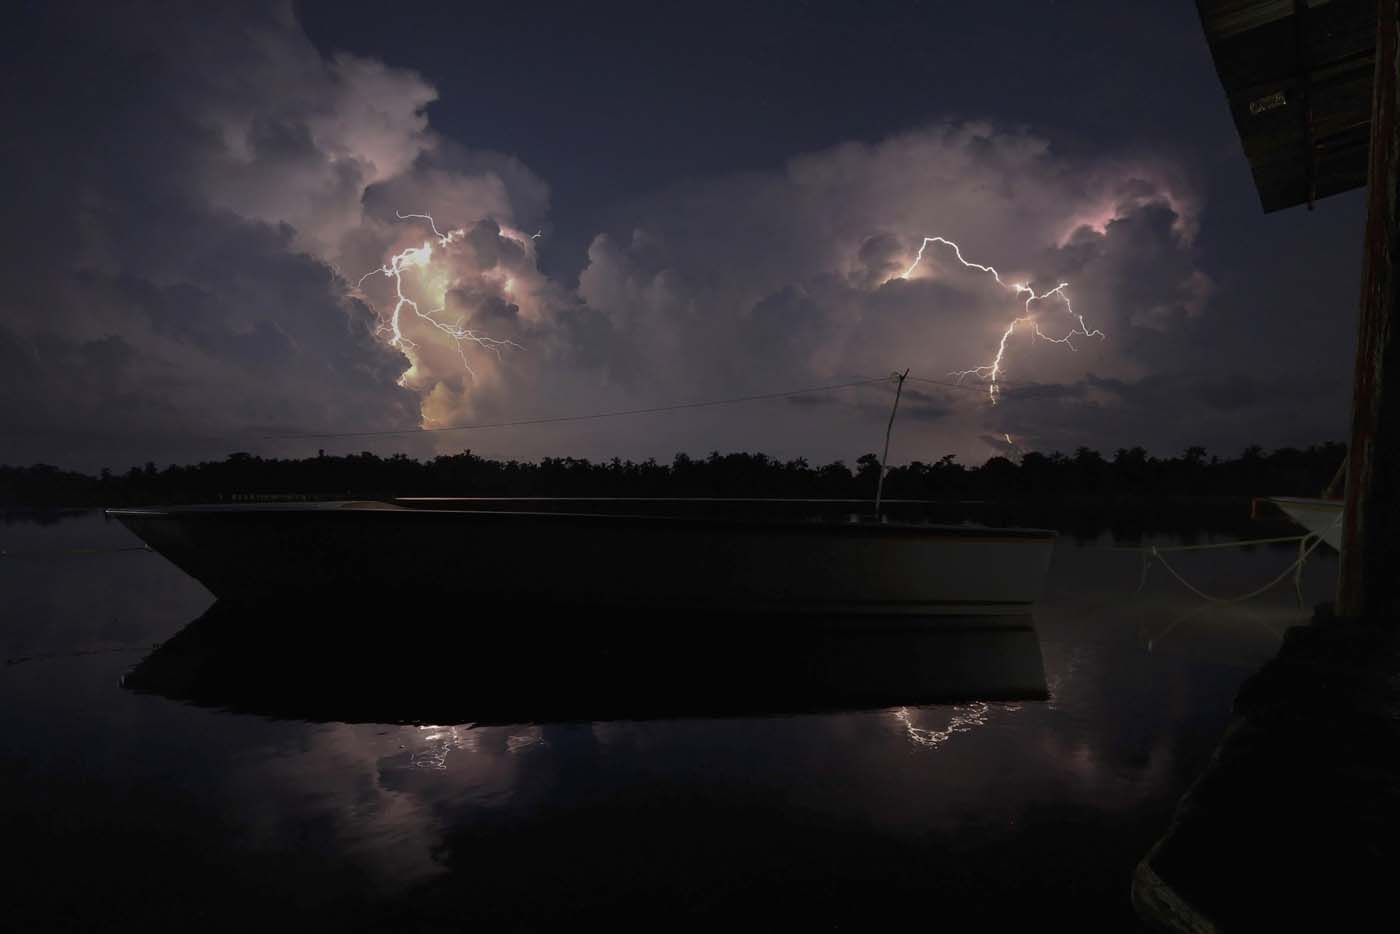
[
  {"x": 964, "y": 533},
  {"x": 1322, "y": 504}
]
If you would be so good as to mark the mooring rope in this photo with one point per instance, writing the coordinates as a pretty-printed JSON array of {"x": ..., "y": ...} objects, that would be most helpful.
[
  {"x": 77, "y": 653},
  {"x": 1297, "y": 563},
  {"x": 1241, "y": 543},
  {"x": 70, "y": 552},
  {"x": 1304, "y": 551}
]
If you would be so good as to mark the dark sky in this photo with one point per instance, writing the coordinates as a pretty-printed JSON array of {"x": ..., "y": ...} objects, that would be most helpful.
[
  {"x": 611, "y": 102},
  {"x": 725, "y": 196}
]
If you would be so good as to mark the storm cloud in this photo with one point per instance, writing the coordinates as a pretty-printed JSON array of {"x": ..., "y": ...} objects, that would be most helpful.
[{"x": 203, "y": 207}]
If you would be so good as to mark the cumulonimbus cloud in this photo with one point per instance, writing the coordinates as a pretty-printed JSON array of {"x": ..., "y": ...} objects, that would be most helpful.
[{"x": 213, "y": 280}]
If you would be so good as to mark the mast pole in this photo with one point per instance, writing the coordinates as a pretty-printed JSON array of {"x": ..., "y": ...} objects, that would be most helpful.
[{"x": 885, "y": 457}]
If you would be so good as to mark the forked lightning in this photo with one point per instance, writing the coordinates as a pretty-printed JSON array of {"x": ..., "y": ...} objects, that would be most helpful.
[
  {"x": 992, "y": 372},
  {"x": 421, "y": 256}
]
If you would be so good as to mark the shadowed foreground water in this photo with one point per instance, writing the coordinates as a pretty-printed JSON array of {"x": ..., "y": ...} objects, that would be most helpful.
[{"x": 662, "y": 781}]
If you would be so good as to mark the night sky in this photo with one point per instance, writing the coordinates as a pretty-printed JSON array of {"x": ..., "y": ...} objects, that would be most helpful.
[{"x": 725, "y": 197}]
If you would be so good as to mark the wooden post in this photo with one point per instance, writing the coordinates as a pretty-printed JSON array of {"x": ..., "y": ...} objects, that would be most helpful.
[
  {"x": 1369, "y": 583},
  {"x": 884, "y": 458}
]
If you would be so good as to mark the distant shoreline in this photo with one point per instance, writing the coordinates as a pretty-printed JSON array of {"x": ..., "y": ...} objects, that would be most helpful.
[{"x": 1129, "y": 480}]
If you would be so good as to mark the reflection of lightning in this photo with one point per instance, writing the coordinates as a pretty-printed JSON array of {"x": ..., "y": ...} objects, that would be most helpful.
[
  {"x": 992, "y": 372},
  {"x": 421, "y": 256},
  {"x": 962, "y": 719}
]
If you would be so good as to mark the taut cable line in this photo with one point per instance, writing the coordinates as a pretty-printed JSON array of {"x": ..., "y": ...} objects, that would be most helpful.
[{"x": 553, "y": 419}]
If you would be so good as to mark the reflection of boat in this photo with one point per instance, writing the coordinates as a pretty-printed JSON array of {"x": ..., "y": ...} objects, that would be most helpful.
[
  {"x": 296, "y": 663},
  {"x": 1321, "y": 517},
  {"x": 769, "y": 555}
]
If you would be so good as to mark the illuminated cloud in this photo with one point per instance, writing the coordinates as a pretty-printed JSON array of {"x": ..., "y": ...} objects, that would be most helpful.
[
  {"x": 195, "y": 286},
  {"x": 800, "y": 272},
  {"x": 186, "y": 285}
]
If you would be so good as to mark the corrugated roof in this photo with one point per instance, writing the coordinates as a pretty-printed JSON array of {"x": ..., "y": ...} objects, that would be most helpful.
[{"x": 1298, "y": 76}]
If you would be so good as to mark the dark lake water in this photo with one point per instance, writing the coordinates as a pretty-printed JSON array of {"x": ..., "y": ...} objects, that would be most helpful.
[{"x": 618, "y": 798}]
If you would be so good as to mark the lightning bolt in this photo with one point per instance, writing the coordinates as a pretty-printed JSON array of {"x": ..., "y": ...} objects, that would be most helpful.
[
  {"x": 992, "y": 372},
  {"x": 420, "y": 257}
]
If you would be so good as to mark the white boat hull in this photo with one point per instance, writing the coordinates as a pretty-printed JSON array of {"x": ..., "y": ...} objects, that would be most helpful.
[
  {"x": 360, "y": 551},
  {"x": 1321, "y": 517}
]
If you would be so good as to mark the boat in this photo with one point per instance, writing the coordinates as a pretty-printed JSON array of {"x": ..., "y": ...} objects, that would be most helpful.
[
  {"x": 1320, "y": 516},
  {"x": 765, "y": 556}
]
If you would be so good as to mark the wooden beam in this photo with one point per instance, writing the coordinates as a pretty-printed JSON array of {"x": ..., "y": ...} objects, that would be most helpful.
[
  {"x": 1305, "y": 113},
  {"x": 1298, "y": 76},
  {"x": 1369, "y": 584}
]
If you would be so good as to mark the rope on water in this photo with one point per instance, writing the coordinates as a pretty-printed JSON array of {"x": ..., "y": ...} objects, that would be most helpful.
[
  {"x": 76, "y": 653},
  {"x": 1243, "y": 597},
  {"x": 69, "y": 552},
  {"x": 1243, "y": 543},
  {"x": 1295, "y": 568}
]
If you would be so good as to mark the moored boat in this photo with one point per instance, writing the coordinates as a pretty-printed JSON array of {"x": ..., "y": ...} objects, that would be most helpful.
[
  {"x": 1321, "y": 517},
  {"x": 629, "y": 554}
]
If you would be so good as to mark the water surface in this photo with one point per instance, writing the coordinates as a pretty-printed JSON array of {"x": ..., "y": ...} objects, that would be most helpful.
[{"x": 257, "y": 806}]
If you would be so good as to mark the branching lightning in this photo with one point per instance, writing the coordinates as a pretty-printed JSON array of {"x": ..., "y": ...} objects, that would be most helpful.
[
  {"x": 992, "y": 372},
  {"x": 420, "y": 257}
]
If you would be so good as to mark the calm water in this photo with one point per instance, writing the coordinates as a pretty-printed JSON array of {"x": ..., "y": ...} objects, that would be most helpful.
[{"x": 286, "y": 808}]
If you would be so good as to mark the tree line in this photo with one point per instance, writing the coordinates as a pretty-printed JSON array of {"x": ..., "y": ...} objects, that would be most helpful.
[{"x": 1129, "y": 474}]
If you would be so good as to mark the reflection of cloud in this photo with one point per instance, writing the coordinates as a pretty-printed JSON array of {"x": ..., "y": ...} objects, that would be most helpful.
[
  {"x": 406, "y": 799},
  {"x": 383, "y": 788},
  {"x": 521, "y": 740}
]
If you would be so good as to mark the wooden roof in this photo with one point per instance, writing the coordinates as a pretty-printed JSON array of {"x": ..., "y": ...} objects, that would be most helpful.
[{"x": 1298, "y": 75}]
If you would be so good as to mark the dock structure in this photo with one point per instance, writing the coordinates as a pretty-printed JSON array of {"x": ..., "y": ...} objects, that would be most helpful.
[
  {"x": 1312, "y": 89},
  {"x": 1369, "y": 587},
  {"x": 1300, "y": 804}
]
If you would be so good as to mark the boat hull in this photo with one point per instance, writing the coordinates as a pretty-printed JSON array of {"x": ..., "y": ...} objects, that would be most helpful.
[
  {"x": 353, "y": 552},
  {"x": 1321, "y": 517}
]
